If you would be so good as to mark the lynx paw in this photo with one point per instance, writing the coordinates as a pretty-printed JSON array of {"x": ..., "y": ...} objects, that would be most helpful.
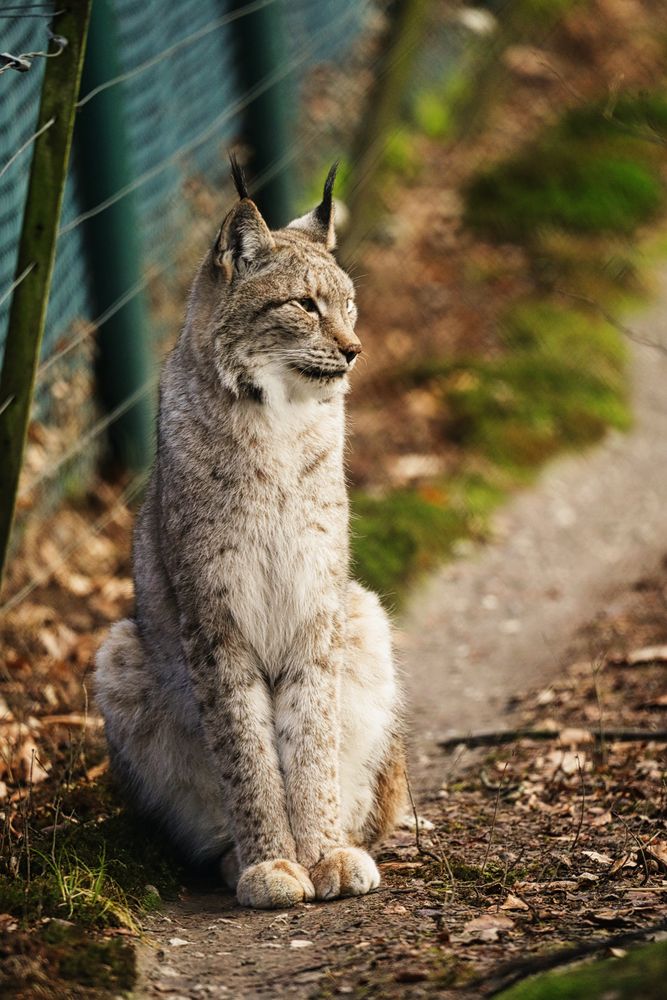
[
  {"x": 346, "y": 871},
  {"x": 274, "y": 885}
]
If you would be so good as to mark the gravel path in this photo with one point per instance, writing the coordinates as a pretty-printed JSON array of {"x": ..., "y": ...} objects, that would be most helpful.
[
  {"x": 501, "y": 619},
  {"x": 493, "y": 623}
]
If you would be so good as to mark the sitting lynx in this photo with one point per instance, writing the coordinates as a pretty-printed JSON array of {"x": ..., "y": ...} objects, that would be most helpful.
[{"x": 251, "y": 704}]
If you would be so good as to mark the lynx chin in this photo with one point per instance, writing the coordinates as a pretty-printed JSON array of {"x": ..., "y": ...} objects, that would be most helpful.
[{"x": 251, "y": 704}]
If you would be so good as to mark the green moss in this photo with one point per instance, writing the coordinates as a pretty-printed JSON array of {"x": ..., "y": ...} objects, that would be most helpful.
[
  {"x": 560, "y": 385},
  {"x": 106, "y": 963},
  {"x": 61, "y": 960},
  {"x": 640, "y": 116},
  {"x": 400, "y": 535},
  {"x": 562, "y": 188},
  {"x": 640, "y": 974},
  {"x": 97, "y": 871},
  {"x": 594, "y": 172}
]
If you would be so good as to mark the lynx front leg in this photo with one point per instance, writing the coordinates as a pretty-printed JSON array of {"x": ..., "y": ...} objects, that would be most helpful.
[
  {"x": 237, "y": 719},
  {"x": 308, "y": 728}
]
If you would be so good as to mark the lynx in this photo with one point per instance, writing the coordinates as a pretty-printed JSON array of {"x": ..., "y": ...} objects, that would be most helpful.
[{"x": 251, "y": 703}]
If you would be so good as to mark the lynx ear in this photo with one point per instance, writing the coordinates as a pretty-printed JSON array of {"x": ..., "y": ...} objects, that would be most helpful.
[
  {"x": 244, "y": 237},
  {"x": 319, "y": 224}
]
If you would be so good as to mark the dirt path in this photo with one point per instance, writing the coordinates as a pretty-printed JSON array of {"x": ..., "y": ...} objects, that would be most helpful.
[
  {"x": 501, "y": 619},
  {"x": 483, "y": 628}
]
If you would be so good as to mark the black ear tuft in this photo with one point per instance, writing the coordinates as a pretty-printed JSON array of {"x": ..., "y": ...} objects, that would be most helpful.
[
  {"x": 239, "y": 177},
  {"x": 323, "y": 210}
]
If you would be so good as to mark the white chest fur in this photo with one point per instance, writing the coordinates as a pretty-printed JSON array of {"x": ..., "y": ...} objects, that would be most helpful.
[{"x": 290, "y": 540}]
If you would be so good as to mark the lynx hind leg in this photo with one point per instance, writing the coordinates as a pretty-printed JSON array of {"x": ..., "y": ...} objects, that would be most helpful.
[
  {"x": 156, "y": 749},
  {"x": 372, "y": 765}
]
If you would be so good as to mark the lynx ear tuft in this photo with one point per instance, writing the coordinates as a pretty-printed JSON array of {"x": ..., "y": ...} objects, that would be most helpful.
[
  {"x": 238, "y": 177},
  {"x": 325, "y": 210},
  {"x": 319, "y": 224},
  {"x": 243, "y": 242}
]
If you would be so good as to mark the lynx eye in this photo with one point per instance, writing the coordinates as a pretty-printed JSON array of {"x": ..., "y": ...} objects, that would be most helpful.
[{"x": 309, "y": 305}]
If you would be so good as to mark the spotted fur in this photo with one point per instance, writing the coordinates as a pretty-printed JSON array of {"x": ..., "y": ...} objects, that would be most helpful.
[{"x": 251, "y": 702}]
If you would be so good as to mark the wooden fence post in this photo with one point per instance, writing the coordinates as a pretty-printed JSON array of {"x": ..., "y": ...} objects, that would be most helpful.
[{"x": 37, "y": 252}]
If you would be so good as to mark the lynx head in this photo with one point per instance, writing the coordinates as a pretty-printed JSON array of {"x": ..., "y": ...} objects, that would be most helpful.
[{"x": 282, "y": 312}]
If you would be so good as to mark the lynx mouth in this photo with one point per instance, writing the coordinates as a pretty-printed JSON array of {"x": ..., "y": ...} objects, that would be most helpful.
[{"x": 319, "y": 374}]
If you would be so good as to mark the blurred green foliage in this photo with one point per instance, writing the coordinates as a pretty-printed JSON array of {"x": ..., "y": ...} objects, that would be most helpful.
[
  {"x": 559, "y": 384},
  {"x": 597, "y": 172},
  {"x": 434, "y": 109},
  {"x": 537, "y": 14},
  {"x": 407, "y": 532}
]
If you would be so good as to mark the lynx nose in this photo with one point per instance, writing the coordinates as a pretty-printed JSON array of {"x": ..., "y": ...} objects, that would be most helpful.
[{"x": 350, "y": 352}]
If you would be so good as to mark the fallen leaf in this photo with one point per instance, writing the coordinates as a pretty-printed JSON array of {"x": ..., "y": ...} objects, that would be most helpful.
[
  {"x": 27, "y": 759},
  {"x": 658, "y": 851},
  {"x": 574, "y": 737},
  {"x": 570, "y": 762},
  {"x": 410, "y": 975},
  {"x": 627, "y": 861},
  {"x": 611, "y": 918},
  {"x": 407, "y": 822},
  {"x": 514, "y": 903},
  {"x": 599, "y": 859},
  {"x": 486, "y": 928}
]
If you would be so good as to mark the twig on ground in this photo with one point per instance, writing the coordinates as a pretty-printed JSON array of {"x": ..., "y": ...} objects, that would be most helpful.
[
  {"x": 73, "y": 719},
  {"x": 420, "y": 850},
  {"x": 583, "y": 806},
  {"x": 493, "y": 821},
  {"x": 442, "y": 858},
  {"x": 631, "y": 335},
  {"x": 641, "y": 847},
  {"x": 504, "y": 736}
]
